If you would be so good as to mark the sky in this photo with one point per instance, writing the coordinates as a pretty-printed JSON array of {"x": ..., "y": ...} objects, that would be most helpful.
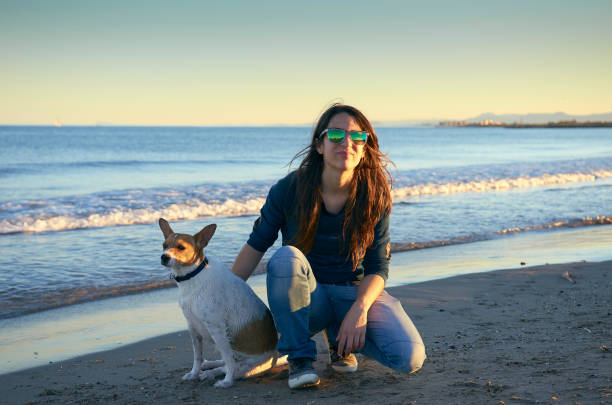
[{"x": 283, "y": 62}]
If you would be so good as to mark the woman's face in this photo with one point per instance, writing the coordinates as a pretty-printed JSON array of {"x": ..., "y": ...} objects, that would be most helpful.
[{"x": 346, "y": 155}]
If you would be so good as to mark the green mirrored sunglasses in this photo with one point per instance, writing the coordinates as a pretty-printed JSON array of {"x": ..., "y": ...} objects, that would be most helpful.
[{"x": 337, "y": 135}]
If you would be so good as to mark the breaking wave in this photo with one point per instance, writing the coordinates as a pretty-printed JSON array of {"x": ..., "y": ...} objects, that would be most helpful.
[
  {"x": 576, "y": 223},
  {"x": 499, "y": 184},
  {"x": 146, "y": 206},
  {"x": 127, "y": 216}
]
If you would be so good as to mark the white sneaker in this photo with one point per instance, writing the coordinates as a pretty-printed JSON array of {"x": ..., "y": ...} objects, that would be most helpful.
[{"x": 302, "y": 374}]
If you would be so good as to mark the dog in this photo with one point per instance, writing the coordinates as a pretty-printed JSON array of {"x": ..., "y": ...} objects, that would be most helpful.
[{"x": 219, "y": 305}]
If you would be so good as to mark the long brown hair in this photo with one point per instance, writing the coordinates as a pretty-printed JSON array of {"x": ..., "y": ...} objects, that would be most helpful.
[{"x": 369, "y": 196}]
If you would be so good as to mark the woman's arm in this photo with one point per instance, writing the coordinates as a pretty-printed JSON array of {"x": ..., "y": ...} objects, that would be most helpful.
[
  {"x": 246, "y": 261},
  {"x": 351, "y": 336},
  {"x": 265, "y": 229}
]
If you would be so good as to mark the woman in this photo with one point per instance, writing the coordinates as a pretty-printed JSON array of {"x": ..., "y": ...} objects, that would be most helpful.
[{"x": 333, "y": 213}]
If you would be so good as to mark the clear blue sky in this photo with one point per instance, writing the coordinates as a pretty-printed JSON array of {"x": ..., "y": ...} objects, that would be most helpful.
[{"x": 282, "y": 62}]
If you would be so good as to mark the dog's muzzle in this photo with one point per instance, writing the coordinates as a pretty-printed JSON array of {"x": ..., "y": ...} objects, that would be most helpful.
[{"x": 165, "y": 259}]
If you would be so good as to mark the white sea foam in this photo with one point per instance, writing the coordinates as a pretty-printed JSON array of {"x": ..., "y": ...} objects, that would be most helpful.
[
  {"x": 499, "y": 184},
  {"x": 125, "y": 216},
  {"x": 599, "y": 220},
  {"x": 99, "y": 211}
]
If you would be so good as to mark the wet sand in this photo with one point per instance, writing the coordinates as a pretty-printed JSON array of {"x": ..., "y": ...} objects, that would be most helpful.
[{"x": 519, "y": 336}]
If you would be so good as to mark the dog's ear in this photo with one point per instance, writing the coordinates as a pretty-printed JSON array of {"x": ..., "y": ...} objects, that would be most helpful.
[
  {"x": 205, "y": 234},
  {"x": 165, "y": 227}
]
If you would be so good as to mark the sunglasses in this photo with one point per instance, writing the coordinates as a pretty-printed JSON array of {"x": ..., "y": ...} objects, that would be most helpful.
[{"x": 337, "y": 135}]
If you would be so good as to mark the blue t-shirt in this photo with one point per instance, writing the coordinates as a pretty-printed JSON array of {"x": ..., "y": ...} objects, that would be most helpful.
[{"x": 329, "y": 256}]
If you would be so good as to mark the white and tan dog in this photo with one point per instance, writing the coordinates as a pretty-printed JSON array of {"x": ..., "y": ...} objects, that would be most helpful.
[{"x": 221, "y": 305}]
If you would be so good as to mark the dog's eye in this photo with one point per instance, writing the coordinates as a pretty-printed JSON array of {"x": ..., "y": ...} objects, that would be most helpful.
[{"x": 180, "y": 247}]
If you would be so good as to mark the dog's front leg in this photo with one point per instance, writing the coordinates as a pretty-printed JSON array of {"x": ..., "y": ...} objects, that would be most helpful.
[
  {"x": 198, "y": 357},
  {"x": 222, "y": 342}
]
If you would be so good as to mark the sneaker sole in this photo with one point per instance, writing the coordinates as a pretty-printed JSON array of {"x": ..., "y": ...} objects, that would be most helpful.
[
  {"x": 344, "y": 369},
  {"x": 303, "y": 381}
]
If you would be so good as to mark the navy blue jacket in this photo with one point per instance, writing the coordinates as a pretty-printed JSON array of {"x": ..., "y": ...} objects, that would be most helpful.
[{"x": 329, "y": 256}]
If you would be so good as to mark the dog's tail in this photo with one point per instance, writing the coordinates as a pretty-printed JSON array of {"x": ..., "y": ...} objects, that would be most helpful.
[
  {"x": 279, "y": 360},
  {"x": 273, "y": 361}
]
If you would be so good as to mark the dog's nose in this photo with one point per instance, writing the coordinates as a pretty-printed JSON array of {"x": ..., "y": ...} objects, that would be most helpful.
[{"x": 165, "y": 259}]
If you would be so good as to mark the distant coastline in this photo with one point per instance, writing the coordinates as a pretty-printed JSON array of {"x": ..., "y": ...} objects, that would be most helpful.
[
  {"x": 530, "y": 120},
  {"x": 558, "y": 124}
]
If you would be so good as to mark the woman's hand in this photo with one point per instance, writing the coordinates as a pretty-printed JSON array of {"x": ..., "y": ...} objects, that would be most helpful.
[
  {"x": 352, "y": 333},
  {"x": 351, "y": 336}
]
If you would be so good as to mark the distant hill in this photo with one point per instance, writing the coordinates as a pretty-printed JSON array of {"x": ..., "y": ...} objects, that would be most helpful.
[
  {"x": 540, "y": 118},
  {"x": 532, "y": 118}
]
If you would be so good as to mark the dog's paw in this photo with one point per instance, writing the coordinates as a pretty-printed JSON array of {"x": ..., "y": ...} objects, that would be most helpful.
[
  {"x": 224, "y": 383},
  {"x": 190, "y": 376},
  {"x": 212, "y": 373}
]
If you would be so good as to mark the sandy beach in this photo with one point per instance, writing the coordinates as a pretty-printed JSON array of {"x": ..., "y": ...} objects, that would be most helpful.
[{"x": 519, "y": 336}]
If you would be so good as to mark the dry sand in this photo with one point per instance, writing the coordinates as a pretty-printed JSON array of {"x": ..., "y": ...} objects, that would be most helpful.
[{"x": 522, "y": 336}]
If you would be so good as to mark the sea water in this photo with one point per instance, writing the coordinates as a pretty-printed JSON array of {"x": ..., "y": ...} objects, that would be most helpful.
[{"x": 79, "y": 205}]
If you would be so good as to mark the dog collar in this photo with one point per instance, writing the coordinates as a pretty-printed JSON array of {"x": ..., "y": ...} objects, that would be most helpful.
[{"x": 194, "y": 273}]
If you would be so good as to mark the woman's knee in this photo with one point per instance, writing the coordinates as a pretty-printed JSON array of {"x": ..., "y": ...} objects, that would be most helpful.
[
  {"x": 287, "y": 262},
  {"x": 409, "y": 357},
  {"x": 289, "y": 281}
]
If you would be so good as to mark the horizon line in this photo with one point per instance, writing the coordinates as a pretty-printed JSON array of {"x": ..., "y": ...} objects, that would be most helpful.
[{"x": 408, "y": 122}]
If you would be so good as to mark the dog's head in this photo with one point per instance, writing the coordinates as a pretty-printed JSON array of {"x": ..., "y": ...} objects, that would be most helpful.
[{"x": 182, "y": 250}]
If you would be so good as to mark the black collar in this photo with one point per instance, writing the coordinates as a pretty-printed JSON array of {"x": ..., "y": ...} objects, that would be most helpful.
[{"x": 194, "y": 273}]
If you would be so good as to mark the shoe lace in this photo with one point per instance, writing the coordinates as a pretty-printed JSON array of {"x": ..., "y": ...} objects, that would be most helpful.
[{"x": 335, "y": 356}]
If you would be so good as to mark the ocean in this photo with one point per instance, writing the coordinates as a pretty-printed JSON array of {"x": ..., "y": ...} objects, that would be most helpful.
[{"x": 79, "y": 205}]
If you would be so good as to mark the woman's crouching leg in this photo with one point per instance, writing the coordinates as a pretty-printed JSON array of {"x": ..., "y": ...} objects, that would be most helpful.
[
  {"x": 391, "y": 337},
  {"x": 290, "y": 283}
]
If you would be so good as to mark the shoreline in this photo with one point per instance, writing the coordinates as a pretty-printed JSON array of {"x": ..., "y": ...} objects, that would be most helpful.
[
  {"x": 522, "y": 335},
  {"x": 59, "y": 334},
  {"x": 92, "y": 294}
]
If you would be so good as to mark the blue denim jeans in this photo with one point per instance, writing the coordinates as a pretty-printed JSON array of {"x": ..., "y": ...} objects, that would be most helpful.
[{"x": 302, "y": 307}]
